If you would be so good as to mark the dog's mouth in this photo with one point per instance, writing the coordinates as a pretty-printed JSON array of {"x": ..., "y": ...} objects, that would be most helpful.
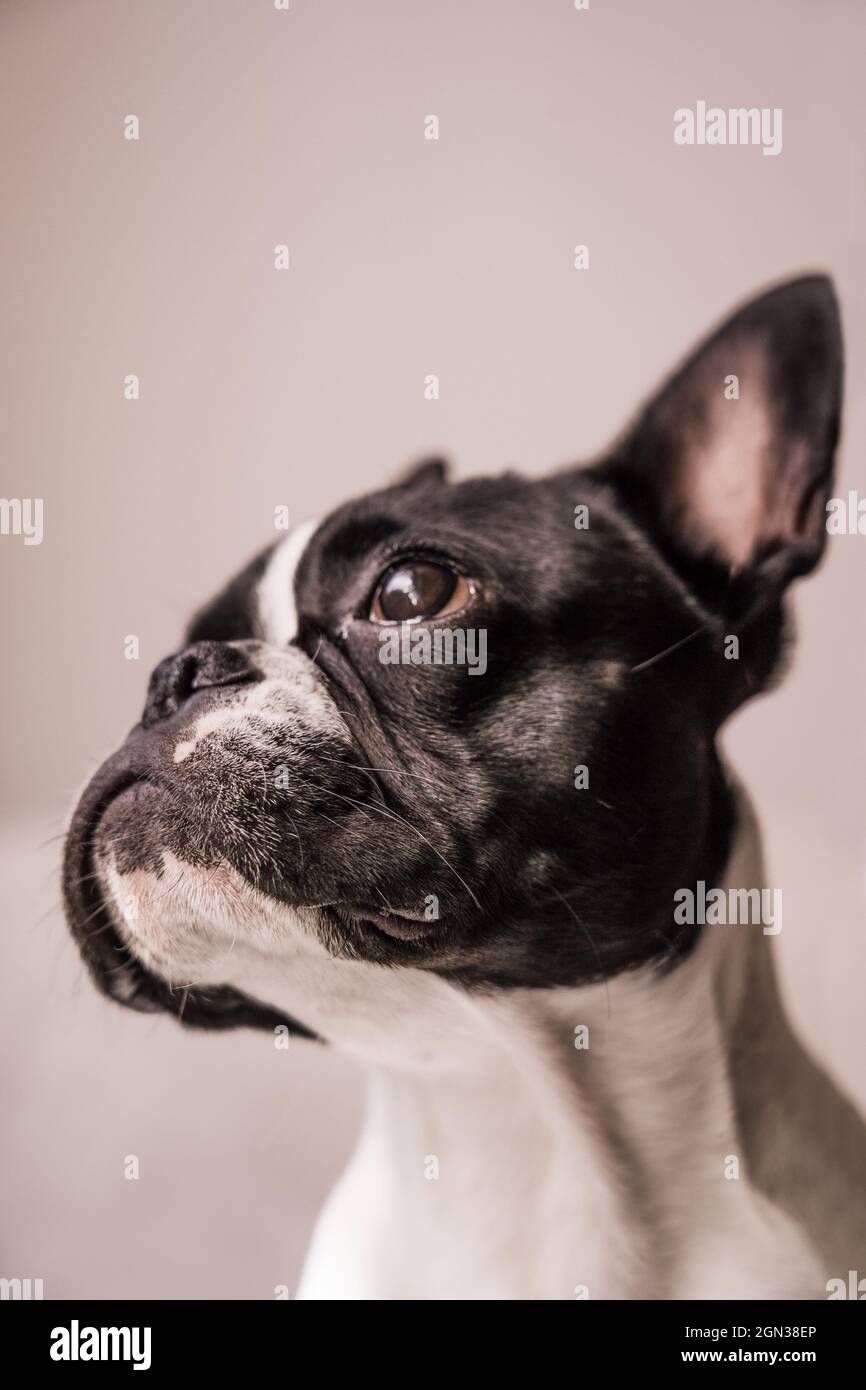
[
  {"x": 384, "y": 932},
  {"x": 399, "y": 924},
  {"x": 113, "y": 964}
]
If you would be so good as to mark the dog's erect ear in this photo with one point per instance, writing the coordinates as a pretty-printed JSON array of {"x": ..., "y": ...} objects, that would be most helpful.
[
  {"x": 731, "y": 463},
  {"x": 426, "y": 474}
]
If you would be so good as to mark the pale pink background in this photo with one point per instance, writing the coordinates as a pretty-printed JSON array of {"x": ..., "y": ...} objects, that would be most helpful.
[{"x": 260, "y": 388}]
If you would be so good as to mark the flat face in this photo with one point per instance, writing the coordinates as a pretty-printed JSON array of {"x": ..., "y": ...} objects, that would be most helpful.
[
  {"x": 501, "y": 789},
  {"x": 468, "y": 730}
]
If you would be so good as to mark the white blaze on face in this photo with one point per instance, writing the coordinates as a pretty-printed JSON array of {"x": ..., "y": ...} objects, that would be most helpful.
[
  {"x": 278, "y": 614},
  {"x": 292, "y": 689},
  {"x": 291, "y": 694}
]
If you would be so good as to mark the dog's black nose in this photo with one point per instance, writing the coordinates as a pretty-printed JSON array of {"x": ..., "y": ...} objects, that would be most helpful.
[{"x": 198, "y": 667}]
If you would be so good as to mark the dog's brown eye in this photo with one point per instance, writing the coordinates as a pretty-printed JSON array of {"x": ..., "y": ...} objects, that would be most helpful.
[{"x": 419, "y": 589}]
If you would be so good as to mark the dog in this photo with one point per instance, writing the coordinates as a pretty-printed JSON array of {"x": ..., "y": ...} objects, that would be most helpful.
[{"x": 470, "y": 880}]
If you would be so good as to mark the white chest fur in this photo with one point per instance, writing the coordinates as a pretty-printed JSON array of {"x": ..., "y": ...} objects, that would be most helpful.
[{"x": 540, "y": 1170}]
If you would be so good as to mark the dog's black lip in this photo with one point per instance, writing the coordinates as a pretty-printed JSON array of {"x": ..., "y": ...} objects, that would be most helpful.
[
  {"x": 396, "y": 932},
  {"x": 401, "y": 923},
  {"x": 86, "y": 907},
  {"x": 115, "y": 969}
]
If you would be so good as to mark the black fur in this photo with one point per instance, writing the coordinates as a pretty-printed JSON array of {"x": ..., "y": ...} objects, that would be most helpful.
[{"x": 606, "y": 648}]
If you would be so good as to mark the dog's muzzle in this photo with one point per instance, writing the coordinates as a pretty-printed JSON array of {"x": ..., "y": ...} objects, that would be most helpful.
[{"x": 239, "y": 746}]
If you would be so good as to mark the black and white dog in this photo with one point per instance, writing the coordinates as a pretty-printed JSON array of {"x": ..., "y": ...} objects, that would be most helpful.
[{"x": 471, "y": 876}]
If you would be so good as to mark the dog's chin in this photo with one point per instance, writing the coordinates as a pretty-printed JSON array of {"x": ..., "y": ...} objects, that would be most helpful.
[
  {"x": 127, "y": 957},
  {"x": 188, "y": 915}
]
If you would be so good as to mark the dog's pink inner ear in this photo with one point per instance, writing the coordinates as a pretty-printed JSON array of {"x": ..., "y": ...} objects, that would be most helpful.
[
  {"x": 736, "y": 451},
  {"x": 726, "y": 455}
]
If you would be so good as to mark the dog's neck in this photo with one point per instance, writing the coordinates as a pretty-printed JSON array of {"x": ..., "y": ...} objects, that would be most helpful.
[{"x": 558, "y": 1143}]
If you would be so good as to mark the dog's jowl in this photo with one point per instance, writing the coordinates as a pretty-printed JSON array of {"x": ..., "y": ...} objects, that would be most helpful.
[{"x": 467, "y": 872}]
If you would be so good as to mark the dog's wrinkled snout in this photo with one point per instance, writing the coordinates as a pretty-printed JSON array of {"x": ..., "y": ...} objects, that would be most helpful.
[{"x": 198, "y": 667}]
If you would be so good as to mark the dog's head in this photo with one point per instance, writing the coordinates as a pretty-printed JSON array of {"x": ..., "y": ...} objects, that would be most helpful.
[{"x": 469, "y": 728}]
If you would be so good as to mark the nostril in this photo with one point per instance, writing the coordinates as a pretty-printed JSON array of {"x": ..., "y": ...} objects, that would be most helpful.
[
  {"x": 170, "y": 685},
  {"x": 199, "y": 667},
  {"x": 181, "y": 677}
]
